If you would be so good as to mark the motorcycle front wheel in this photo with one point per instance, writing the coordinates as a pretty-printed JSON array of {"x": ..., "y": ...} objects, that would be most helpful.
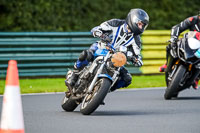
[
  {"x": 92, "y": 100},
  {"x": 172, "y": 88}
]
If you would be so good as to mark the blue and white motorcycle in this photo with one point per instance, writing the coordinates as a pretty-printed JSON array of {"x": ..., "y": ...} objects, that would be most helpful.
[{"x": 95, "y": 80}]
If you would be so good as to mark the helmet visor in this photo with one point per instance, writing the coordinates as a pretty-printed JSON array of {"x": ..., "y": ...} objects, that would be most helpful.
[{"x": 140, "y": 24}]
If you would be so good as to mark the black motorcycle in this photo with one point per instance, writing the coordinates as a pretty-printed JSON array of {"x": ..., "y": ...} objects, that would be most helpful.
[{"x": 183, "y": 65}]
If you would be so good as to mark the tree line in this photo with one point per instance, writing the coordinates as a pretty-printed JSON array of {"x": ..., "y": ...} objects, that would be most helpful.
[{"x": 82, "y": 15}]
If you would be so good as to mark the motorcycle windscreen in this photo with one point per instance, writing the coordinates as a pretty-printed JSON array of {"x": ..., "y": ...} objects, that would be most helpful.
[{"x": 100, "y": 52}]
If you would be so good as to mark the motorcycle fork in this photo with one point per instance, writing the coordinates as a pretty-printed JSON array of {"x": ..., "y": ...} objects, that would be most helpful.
[
  {"x": 115, "y": 77},
  {"x": 174, "y": 68},
  {"x": 98, "y": 72},
  {"x": 170, "y": 62}
]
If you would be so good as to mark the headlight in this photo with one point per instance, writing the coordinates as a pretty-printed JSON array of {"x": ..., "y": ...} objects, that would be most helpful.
[{"x": 118, "y": 59}]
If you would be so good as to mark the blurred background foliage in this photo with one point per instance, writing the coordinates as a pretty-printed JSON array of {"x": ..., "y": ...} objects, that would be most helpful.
[{"x": 82, "y": 15}]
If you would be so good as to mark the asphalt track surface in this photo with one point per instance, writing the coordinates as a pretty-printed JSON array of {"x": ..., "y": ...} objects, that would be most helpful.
[{"x": 129, "y": 111}]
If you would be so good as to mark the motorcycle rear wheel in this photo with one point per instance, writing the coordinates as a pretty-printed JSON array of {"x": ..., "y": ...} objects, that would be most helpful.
[
  {"x": 69, "y": 104},
  {"x": 172, "y": 88},
  {"x": 92, "y": 101}
]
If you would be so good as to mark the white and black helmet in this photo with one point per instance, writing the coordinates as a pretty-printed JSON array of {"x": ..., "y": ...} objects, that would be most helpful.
[{"x": 136, "y": 16}]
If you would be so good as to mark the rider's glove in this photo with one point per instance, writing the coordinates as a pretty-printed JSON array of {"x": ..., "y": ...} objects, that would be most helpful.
[
  {"x": 105, "y": 38},
  {"x": 173, "y": 39},
  {"x": 97, "y": 33},
  {"x": 173, "y": 44},
  {"x": 137, "y": 62}
]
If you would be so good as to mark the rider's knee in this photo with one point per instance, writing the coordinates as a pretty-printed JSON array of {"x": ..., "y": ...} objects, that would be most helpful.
[
  {"x": 90, "y": 55},
  {"x": 121, "y": 84},
  {"x": 83, "y": 55},
  {"x": 127, "y": 79},
  {"x": 86, "y": 55}
]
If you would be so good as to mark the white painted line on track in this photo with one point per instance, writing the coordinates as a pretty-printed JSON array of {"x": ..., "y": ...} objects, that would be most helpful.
[{"x": 132, "y": 89}]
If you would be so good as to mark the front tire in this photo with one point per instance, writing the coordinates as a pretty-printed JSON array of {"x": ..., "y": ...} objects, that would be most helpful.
[
  {"x": 172, "y": 88},
  {"x": 92, "y": 101}
]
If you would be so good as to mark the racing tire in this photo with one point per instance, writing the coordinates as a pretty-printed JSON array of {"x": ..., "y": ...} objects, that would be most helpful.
[
  {"x": 173, "y": 87},
  {"x": 92, "y": 101},
  {"x": 69, "y": 104}
]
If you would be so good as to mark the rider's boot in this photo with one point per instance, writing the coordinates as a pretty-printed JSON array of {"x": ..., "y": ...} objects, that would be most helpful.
[
  {"x": 195, "y": 84},
  {"x": 162, "y": 68},
  {"x": 72, "y": 76}
]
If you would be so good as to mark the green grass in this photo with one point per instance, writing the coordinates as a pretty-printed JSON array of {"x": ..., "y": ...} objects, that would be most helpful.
[
  {"x": 39, "y": 85},
  {"x": 58, "y": 85},
  {"x": 147, "y": 81}
]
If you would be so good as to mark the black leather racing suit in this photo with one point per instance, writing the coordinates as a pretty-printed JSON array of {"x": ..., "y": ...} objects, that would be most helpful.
[{"x": 191, "y": 23}]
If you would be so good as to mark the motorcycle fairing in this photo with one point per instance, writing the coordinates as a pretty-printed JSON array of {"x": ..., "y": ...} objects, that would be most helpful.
[
  {"x": 193, "y": 43},
  {"x": 185, "y": 50}
]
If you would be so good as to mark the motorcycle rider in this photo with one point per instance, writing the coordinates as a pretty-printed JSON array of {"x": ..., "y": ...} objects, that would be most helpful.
[
  {"x": 191, "y": 23},
  {"x": 116, "y": 32}
]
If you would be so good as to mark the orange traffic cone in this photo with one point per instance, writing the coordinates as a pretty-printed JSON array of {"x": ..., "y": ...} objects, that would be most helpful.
[{"x": 12, "y": 115}]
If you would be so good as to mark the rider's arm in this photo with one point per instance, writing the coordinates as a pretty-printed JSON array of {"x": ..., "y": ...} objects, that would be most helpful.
[
  {"x": 138, "y": 41},
  {"x": 184, "y": 25},
  {"x": 137, "y": 56},
  {"x": 136, "y": 50},
  {"x": 106, "y": 26}
]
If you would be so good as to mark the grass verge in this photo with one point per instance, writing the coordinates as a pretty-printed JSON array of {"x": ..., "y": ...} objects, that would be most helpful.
[{"x": 58, "y": 85}]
